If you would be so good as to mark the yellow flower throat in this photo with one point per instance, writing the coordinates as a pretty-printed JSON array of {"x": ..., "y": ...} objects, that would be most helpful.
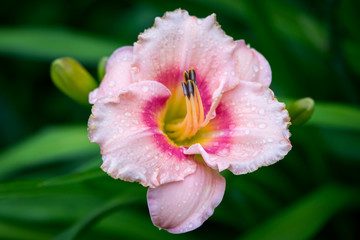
[{"x": 180, "y": 129}]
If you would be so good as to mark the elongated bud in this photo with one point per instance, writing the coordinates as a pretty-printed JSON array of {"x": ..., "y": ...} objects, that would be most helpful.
[
  {"x": 72, "y": 79},
  {"x": 301, "y": 110},
  {"x": 102, "y": 67}
]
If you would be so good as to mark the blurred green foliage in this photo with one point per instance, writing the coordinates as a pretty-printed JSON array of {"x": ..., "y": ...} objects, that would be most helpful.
[{"x": 51, "y": 185}]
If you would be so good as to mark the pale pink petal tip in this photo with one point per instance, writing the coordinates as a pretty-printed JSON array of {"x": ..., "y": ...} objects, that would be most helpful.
[
  {"x": 118, "y": 75},
  {"x": 251, "y": 65},
  {"x": 184, "y": 206}
]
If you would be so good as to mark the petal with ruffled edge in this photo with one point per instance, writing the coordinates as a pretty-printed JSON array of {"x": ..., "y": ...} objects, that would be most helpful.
[
  {"x": 257, "y": 128},
  {"x": 132, "y": 144},
  {"x": 178, "y": 42},
  {"x": 251, "y": 65},
  {"x": 183, "y": 206},
  {"x": 118, "y": 74}
]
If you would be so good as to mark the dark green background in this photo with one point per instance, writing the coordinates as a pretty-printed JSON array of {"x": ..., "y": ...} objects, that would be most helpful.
[{"x": 50, "y": 180}]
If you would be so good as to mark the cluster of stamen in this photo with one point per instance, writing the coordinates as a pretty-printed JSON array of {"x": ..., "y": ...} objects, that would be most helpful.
[{"x": 181, "y": 129}]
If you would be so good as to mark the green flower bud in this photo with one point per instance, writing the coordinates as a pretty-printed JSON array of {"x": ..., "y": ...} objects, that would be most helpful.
[
  {"x": 301, "y": 110},
  {"x": 72, "y": 79},
  {"x": 102, "y": 67}
]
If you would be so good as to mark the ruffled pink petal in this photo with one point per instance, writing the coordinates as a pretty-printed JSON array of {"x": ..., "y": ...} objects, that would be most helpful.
[
  {"x": 118, "y": 74},
  {"x": 178, "y": 42},
  {"x": 256, "y": 129},
  {"x": 183, "y": 206},
  {"x": 132, "y": 145},
  {"x": 251, "y": 65}
]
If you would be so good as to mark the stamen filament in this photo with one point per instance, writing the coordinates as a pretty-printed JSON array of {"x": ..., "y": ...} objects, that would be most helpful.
[
  {"x": 200, "y": 107},
  {"x": 180, "y": 130}
]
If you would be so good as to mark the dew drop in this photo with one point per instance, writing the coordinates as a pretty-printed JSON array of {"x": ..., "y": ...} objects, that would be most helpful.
[
  {"x": 144, "y": 88},
  {"x": 190, "y": 225},
  {"x": 250, "y": 124},
  {"x": 261, "y": 111},
  {"x": 177, "y": 168},
  {"x": 112, "y": 83},
  {"x": 247, "y": 131},
  {"x": 127, "y": 114},
  {"x": 199, "y": 21},
  {"x": 262, "y": 125},
  {"x": 270, "y": 140},
  {"x": 255, "y": 68}
]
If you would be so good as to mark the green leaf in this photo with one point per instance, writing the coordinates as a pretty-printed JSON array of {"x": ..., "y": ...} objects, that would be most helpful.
[
  {"x": 352, "y": 54},
  {"x": 336, "y": 115},
  {"x": 49, "y": 44},
  {"x": 10, "y": 231},
  {"x": 306, "y": 217},
  {"x": 75, "y": 177},
  {"x": 48, "y": 145},
  {"x": 97, "y": 214}
]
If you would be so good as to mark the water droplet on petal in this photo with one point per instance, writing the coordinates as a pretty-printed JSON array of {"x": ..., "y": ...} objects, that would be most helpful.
[
  {"x": 250, "y": 124},
  {"x": 144, "y": 88},
  {"x": 127, "y": 114},
  {"x": 262, "y": 125},
  {"x": 255, "y": 68},
  {"x": 261, "y": 111},
  {"x": 199, "y": 21}
]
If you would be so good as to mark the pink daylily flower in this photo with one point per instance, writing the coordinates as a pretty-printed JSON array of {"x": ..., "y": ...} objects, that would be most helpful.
[{"x": 183, "y": 104}]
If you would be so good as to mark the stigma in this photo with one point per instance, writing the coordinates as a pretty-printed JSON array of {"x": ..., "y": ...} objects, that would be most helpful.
[{"x": 182, "y": 129}]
